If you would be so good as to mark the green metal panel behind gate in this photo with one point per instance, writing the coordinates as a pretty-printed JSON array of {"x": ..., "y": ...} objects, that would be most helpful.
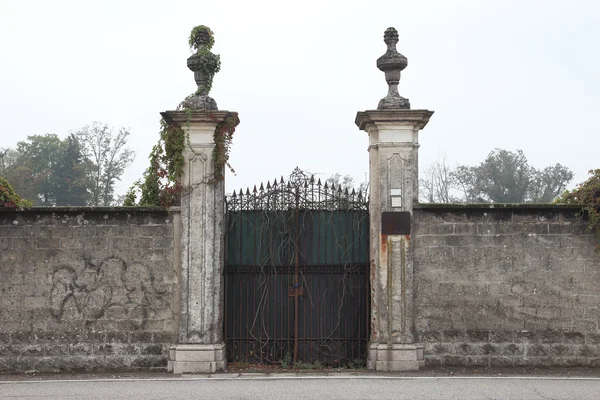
[{"x": 297, "y": 285}]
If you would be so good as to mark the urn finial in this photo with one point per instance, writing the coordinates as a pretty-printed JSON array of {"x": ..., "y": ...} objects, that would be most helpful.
[
  {"x": 392, "y": 63},
  {"x": 205, "y": 64}
]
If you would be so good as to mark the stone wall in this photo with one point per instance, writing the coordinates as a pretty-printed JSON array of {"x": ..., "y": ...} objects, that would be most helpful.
[
  {"x": 87, "y": 289},
  {"x": 506, "y": 286},
  {"x": 97, "y": 289}
]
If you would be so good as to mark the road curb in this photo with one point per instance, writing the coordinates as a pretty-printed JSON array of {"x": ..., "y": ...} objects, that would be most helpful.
[{"x": 300, "y": 376}]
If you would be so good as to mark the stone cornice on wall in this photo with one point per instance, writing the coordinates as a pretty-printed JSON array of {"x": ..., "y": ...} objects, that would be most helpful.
[
  {"x": 67, "y": 209},
  {"x": 495, "y": 206}
]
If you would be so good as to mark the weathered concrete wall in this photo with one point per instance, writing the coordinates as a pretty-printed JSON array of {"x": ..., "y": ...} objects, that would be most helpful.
[
  {"x": 87, "y": 289},
  {"x": 506, "y": 286}
]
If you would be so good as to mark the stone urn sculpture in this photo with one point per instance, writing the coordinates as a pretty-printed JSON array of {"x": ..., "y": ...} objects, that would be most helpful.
[
  {"x": 205, "y": 64},
  {"x": 392, "y": 63}
]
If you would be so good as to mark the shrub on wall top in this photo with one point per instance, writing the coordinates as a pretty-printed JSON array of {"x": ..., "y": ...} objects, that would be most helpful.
[
  {"x": 587, "y": 195},
  {"x": 8, "y": 197}
]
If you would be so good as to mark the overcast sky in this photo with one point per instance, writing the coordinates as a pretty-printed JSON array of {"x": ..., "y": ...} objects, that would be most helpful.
[{"x": 513, "y": 74}]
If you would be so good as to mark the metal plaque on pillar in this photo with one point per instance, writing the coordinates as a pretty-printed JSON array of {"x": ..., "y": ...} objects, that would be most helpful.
[{"x": 395, "y": 223}]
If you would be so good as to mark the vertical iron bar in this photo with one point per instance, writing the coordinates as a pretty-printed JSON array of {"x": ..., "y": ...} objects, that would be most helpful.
[
  {"x": 318, "y": 281},
  {"x": 296, "y": 251},
  {"x": 238, "y": 289},
  {"x": 353, "y": 322},
  {"x": 331, "y": 278},
  {"x": 368, "y": 292},
  {"x": 258, "y": 276},
  {"x": 286, "y": 228},
  {"x": 240, "y": 280},
  {"x": 303, "y": 241},
  {"x": 226, "y": 279}
]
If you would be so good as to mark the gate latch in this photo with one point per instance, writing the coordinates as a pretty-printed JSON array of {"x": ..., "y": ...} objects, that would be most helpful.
[{"x": 296, "y": 288}]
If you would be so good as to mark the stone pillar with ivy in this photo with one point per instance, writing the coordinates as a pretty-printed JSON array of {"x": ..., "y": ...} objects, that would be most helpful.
[
  {"x": 204, "y": 133},
  {"x": 393, "y": 130}
]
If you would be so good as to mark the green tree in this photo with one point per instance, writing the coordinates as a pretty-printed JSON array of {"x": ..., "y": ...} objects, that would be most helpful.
[
  {"x": 550, "y": 183},
  {"x": 71, "y": 176},
  {"x": 107, "y": 157},
  {"x": 41, "y": 154},
  {"x": 48, "y": 170},
  {"x": 507, "y": 177}
]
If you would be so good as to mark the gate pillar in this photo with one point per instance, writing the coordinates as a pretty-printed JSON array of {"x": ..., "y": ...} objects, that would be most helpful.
[
  {"x": 200, "y": 346},
  {"x": 393, "y": 131}
]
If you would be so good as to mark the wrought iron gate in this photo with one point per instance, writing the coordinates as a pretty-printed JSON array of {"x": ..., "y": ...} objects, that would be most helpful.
[{"x": 296, "y": 274}]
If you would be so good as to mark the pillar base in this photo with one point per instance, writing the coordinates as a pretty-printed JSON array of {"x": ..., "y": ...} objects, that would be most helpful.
[
  {"x": 197, "y": 358},
  {"x": 395, "y": 357}
]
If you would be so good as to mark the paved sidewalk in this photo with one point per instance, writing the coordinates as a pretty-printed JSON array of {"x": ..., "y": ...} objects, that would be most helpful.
[{"x": 306, "y": 386}]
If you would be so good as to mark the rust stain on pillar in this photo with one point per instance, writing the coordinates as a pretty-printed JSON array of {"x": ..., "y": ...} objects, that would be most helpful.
[
  {"x": 390, "y": 287},
  {"x": 384, "y": 243},
  {"x": 372, "y": 300},
  {"x": 403, "y": 248}
]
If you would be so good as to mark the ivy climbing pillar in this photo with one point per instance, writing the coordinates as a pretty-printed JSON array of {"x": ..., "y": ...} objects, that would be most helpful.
[
  {"x": 393, "y": 174},
  {"x": 207, "y": 133}
]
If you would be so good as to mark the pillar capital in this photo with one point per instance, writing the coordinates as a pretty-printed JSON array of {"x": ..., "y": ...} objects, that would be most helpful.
[
  {"x": 199, "y": 126},
  {"x": 381, "y": 119},
  {"x": 393, "y": 128},
  {"x": 182, "y": 118}
]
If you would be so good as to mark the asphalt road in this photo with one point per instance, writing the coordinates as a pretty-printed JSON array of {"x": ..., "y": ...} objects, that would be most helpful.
[{"x": 327, "y": 388}]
